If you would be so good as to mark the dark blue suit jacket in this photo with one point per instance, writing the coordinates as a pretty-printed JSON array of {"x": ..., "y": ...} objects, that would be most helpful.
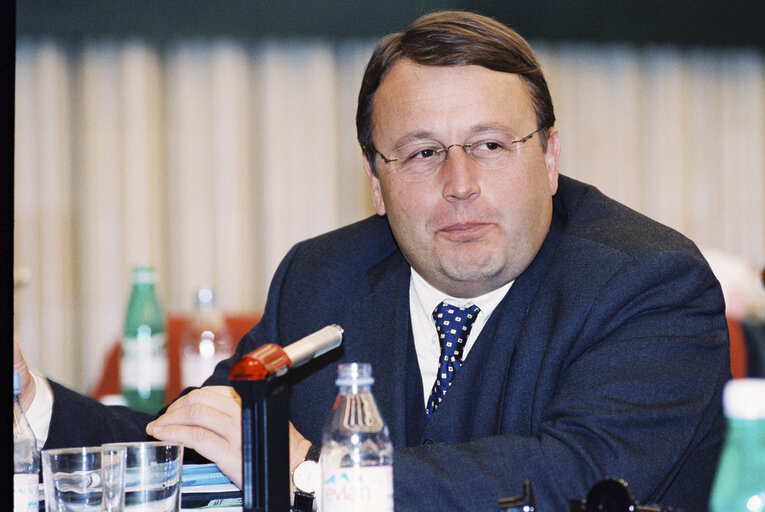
[{"x": 606, "y": 358}]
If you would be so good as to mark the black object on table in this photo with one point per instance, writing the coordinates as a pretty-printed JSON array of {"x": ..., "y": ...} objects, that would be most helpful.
[
  {"x": 523, "y": 503},
  {"x": 613, "y": 495}
]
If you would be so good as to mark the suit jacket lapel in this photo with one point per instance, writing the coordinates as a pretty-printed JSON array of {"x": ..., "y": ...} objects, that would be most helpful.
[{"x": 379, "y": 332}]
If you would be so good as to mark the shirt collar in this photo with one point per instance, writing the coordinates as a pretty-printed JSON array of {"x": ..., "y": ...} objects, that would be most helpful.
[{"x": 430, "y": 297}]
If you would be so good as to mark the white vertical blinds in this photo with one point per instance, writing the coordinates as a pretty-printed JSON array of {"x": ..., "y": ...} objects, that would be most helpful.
[{"x": 209, "y": 159}]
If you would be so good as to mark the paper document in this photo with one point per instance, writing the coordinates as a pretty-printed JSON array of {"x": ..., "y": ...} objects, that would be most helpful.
[{"x": 204, "y": 487}]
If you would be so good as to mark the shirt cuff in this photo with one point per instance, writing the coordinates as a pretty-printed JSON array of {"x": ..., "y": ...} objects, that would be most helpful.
[{"x": 40, "y": 412}]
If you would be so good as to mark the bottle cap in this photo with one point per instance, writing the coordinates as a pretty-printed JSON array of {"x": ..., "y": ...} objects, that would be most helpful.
[
  {"x": 744, "y": 399},
  {"x": 143, "y": 274},
  {"x": 205, "y": 297},
  {"x": 16, "y": 384},
  {"x": 358, "y": 374}
]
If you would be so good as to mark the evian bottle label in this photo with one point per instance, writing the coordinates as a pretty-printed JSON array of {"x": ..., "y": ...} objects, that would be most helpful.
[
  {"x": 358, "y": 489},
  {"x": 25, "y": 492}
]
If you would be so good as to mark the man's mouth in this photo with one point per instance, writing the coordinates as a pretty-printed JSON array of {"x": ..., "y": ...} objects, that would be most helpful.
[{"x": 464, "y": 231}]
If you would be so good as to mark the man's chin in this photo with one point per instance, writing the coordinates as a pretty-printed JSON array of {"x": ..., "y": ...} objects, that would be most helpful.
[
  {"x": 474, "y": 259},
  {"x": 469, "y": 273}
]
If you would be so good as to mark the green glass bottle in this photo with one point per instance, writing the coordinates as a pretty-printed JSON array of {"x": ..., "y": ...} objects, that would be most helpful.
[
  {"x": 143, "y": 367},
  {"x": 740, "y": 480}
]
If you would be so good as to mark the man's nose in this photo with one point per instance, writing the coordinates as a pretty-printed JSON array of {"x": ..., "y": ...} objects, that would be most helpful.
[{"x": 460, "y": 174}]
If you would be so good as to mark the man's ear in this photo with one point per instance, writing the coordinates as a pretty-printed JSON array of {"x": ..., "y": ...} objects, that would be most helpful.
[
  {"x": 374, "y": 188},
  {"x": 552, "y": 156}
]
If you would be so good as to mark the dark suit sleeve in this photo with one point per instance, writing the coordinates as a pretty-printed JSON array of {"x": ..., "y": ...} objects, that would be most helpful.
[
  {"x": 77, "y": 420},
  {"x": 637, "y": 396}
]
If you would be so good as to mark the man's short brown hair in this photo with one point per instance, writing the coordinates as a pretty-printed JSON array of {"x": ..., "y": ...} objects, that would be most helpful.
[{"x": 453, "y": 38}]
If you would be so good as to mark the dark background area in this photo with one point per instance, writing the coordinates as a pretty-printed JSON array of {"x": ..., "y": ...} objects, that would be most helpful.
[{"x": 734, "y": 23}]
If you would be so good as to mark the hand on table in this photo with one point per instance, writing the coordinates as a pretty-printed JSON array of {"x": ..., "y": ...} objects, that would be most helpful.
[
  {"x": 27, "y": 382},
  {"x": 208, "y": 420}
]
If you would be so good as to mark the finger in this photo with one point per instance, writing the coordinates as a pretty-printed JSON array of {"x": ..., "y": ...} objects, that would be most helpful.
[
  {"x": 222, "y": 417},
  {"x": 206, "y": 442},
  {"x": 223, "y": 390},
  {"x": 212, "y": 428},
  {"x": 299, "y": 446},
  {"x": 223, "y": 398},
  {"x": 192, "y": 436},
  {"x": 218, "y": 403}
]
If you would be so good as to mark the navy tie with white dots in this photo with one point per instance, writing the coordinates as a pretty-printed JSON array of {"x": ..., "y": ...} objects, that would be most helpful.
[{"x": 453, "y": 325}]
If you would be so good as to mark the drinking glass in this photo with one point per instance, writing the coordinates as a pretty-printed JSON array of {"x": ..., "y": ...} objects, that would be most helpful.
[
  {"x": 84, "y": 479},
  {"x": 152, "y": 476}
]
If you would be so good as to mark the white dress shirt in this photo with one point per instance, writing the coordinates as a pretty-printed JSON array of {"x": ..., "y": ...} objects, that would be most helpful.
[{"x": 423, "y": 299}]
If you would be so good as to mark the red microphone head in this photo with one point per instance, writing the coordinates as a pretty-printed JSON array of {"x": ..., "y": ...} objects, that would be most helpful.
[{"x": 260, "y": 363}]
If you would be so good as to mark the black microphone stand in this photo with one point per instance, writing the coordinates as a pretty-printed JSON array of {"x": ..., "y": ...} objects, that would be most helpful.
[
  {"x": 262, "y": 380},
  {"x": 265, "y": 444}
]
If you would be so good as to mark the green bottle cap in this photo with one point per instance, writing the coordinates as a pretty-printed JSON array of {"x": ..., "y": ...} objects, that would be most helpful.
[{"x": 144, "y": 274}]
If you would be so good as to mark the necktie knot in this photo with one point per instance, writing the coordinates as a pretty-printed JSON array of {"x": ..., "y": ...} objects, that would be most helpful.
[{"x": 453, "y": 325}]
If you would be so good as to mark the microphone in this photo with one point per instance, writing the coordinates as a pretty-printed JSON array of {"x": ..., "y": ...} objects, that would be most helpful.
[{"x": 272, "y": 359}]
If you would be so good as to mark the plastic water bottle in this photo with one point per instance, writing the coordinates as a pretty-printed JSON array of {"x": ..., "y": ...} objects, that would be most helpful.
[
  {"x": 143, "y": 367},
  {"x": 357, "y": 454},
  {"x": 206, "y": 341},
  {"x": 26, "y": 457},
  {"x": 739, "y": 484}
]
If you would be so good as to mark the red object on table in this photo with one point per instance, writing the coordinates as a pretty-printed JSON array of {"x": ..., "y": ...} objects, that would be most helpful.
[{"x": 738, "y": 355}]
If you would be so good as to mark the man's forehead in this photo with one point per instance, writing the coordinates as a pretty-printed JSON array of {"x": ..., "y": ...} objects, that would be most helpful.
[
  {"x": 409, "y": 89},
  {"x": 421, "y": 82}
]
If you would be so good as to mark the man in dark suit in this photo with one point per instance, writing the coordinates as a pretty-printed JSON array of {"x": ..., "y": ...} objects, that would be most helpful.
[{"x": 599, "y": 346}]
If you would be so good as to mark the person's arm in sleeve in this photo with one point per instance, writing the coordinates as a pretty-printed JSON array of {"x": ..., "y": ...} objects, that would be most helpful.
[{"x": 61, "y": 417}]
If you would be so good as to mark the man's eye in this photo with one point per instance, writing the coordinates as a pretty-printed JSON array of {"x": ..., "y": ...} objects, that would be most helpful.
[
  {"x": 488, "y": 145},
  {"x": 423, "y": 153}
]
